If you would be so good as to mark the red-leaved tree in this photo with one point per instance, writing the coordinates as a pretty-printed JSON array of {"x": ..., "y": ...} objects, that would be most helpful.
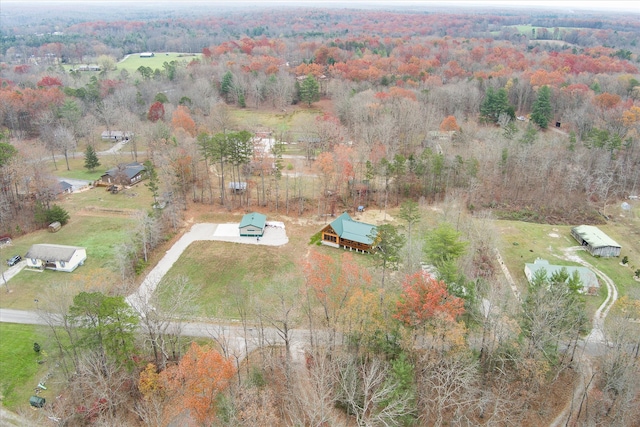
[
  {"x": 48, "y": 81},
  {"x": 156, "y": 112}
]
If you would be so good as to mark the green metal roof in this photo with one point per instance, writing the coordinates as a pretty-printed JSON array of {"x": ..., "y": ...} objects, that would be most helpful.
[
  {"x": 254, "y": 218},
  {"x": 595, "y": 236},
  {"x": 587, "y": 277},
  {"x": 347, "y": 228}
]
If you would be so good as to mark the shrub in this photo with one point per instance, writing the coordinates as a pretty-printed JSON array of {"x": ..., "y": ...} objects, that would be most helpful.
[
  {"x": 316, "y": 238},
  {"x": 56, "y": 213}
]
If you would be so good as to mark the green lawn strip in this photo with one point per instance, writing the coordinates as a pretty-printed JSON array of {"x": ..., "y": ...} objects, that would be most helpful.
[
  {"x": 99, "y": 201},
  {"x": 133, "y": 61},
  {"x": 621, "y": 276},
  {"x": 19, "y": 368},
  {"x": 526, "y": 29},
  {"x": 222, "y": 271}
]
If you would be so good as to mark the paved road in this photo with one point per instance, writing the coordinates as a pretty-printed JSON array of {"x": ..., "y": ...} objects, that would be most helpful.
[{"x": 230, "y": 335}]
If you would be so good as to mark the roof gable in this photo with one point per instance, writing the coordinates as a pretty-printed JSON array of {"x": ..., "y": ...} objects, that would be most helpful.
[
  {"x": 255, "y": 219},
  {"x": 347, "y": 228},
  {"x": 50, "y": 252},
  {"x": 130, "y": 170}
]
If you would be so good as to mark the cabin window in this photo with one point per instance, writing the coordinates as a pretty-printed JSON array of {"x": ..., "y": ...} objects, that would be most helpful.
[{"x": 61, "y": 263}]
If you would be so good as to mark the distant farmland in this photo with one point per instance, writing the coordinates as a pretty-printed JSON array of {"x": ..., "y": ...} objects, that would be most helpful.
[{"x": 133, "y": 62}]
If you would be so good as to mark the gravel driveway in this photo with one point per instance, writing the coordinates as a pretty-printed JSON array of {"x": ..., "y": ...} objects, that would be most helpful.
[{"x": 274, "y": 235}]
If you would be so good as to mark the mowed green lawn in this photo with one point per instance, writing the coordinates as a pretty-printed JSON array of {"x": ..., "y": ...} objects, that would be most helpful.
[
  {"x": 19, "y": 368},
  {"x": 100, "y": 235},
  {"x": 223, "y": 273},
  {"x": 523, "y": 242},
  {"x": 132, "y": 62}
]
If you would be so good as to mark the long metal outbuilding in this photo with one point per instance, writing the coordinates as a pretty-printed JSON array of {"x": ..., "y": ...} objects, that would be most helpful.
[{"x": 596, "y": 241}]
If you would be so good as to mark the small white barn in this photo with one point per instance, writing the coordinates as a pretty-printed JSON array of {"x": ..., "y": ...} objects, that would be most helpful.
[{"x": 55, "y": 257}]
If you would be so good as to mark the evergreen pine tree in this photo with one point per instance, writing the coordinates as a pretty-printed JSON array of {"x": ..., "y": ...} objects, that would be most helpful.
[
  {"x": 154, "y": 181},
  {"x": 226, "y": 85},
  {"x": 541, "y": 113},
  {"x": 309, "y": 90},
  {"x": 91, "y": 158},
  {"x": 495, "y": 104}
]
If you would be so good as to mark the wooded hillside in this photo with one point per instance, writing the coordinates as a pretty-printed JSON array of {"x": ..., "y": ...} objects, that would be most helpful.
[{"x": 303, "y": 114}]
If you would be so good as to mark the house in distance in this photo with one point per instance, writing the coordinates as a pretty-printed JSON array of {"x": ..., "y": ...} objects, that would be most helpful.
[
  {"x": 595, "y": 241},
  {"x": 124, "y": 174},
  {"x": 55, "y": 257},
  {"x": 346, "y": 233},
  {"x": 253, "y": 224},
  {"x": 116, "y": 135}
]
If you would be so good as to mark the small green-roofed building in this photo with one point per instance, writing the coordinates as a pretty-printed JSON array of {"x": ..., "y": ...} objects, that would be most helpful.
[
  {"x": 588, "y": 278},
  {"x": 595, "y": 241},
  {"x": 253, "y": 224},
  {"x": 346, "y": 233}
]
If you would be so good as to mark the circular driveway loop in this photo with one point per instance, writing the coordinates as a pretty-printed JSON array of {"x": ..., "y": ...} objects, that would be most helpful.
[{"x": 274, "y": 235}]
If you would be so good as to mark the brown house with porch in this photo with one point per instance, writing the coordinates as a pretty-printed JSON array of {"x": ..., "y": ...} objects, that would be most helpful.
[{"x": 346, "y": 233}]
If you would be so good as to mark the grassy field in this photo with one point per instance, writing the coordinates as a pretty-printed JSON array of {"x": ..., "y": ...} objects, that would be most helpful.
[
  {"x": 19, "y": 370},
  {"x": 523, "y": 242},
  {"x": 526, "y": 29},
  {"x": 222, "y": 272},
  {"x": 99, "y": 234},
  {"x": 132, "y": 62}
]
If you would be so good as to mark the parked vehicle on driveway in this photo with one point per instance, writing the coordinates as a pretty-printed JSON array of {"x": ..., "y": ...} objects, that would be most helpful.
[{"x": 14, "y": 260}]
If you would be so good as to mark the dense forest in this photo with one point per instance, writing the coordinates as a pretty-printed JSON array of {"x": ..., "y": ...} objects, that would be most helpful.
[{"x": 527, "y": 115}]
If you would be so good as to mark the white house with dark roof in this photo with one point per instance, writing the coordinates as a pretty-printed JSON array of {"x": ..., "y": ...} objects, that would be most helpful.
[{"x": 55, "y": 257}]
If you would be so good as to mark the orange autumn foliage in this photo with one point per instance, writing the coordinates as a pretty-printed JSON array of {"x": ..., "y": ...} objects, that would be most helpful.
[
  {"x": 449, "y": 124},
  {"x": 424, "y": 298},
  {"x": 333, "y": 283},
  {"x": 606, "y": 100},
  {"x": 195, "y": 383},
  {"x": 181, "y": 119}
]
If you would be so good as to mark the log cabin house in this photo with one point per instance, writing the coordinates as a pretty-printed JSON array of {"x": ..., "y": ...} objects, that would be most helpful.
[{"x": 346, "y": 233}]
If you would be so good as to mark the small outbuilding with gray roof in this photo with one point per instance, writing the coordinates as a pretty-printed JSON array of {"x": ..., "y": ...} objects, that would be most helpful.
[
  {"x": 595, "y": 241},
  {"x": 55, "y": 257},
  {"x": 253, "y": 224},
  {"x": 346, "y": 233}
]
